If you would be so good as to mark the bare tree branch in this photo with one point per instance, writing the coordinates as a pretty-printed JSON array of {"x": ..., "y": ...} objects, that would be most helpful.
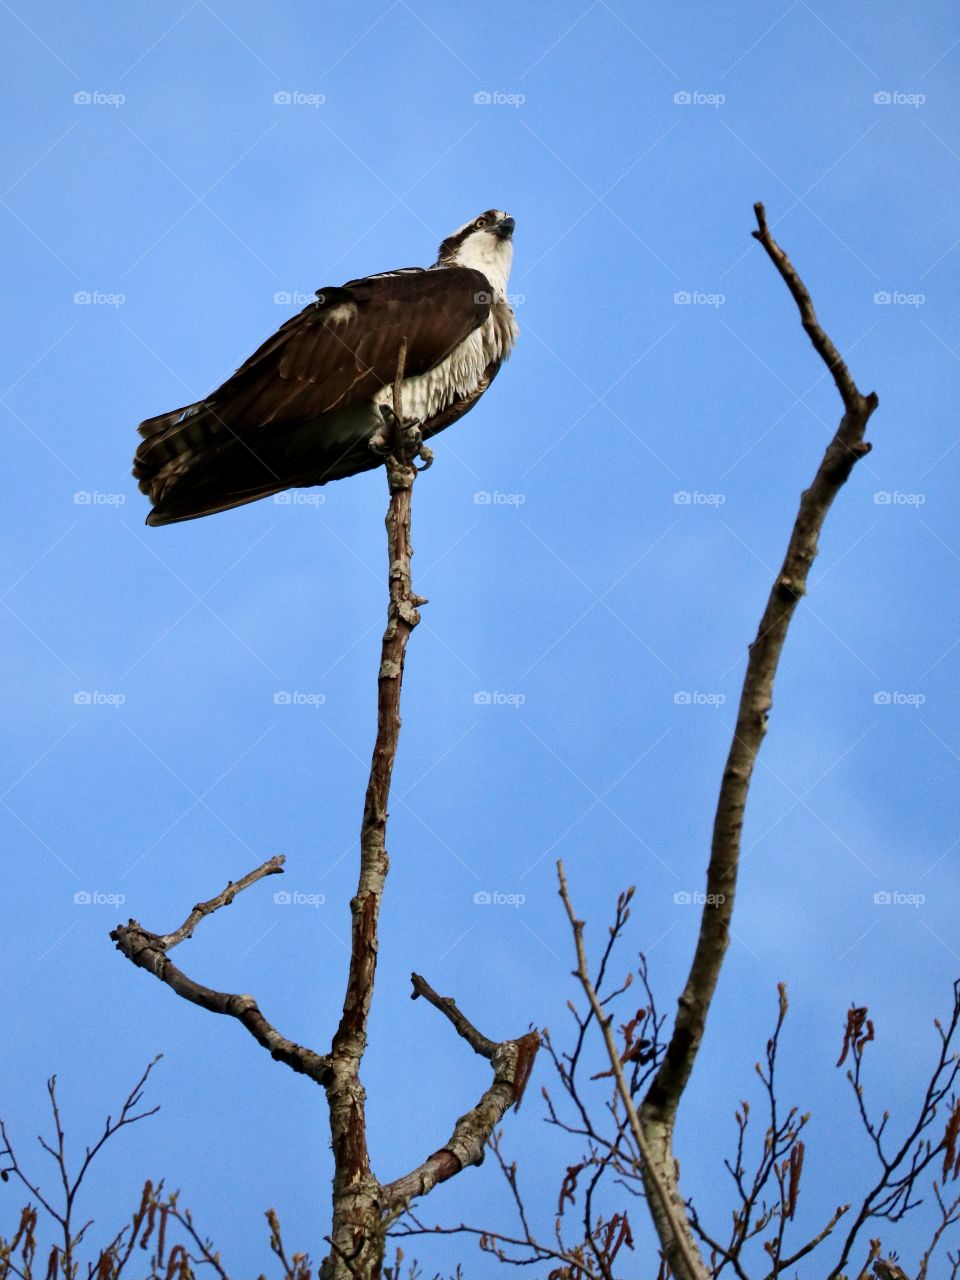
[
  {"x": 448, "y": 1007},
  {"x": 72, "y": 1235},
  {"x": 149, "y": 951},
  {"x": 512, "y": 1061},
  {"x": 659, "y": 1108},
  {"x": 356, "y": 1237},
  {"x": 756, "y": 700},
  {"x": 892, "y": 1195},
  {"x": 273, "y": 867}
]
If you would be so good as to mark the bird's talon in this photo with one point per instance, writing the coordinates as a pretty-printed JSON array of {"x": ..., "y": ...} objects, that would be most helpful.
[
  {"x": 411, "y": 437},
  {"x": 380, "y": 444}
]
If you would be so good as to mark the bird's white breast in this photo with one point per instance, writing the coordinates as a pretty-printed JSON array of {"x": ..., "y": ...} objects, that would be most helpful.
[{"x": 459, "y": 374}]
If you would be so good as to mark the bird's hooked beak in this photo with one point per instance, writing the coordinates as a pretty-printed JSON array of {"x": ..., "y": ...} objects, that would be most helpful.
[{"x": 503, "y": 229}]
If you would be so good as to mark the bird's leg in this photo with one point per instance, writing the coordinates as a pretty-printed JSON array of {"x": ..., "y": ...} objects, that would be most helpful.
[
  {"x": 409, "y": 437},
  {"x": 381, "y": 442}
]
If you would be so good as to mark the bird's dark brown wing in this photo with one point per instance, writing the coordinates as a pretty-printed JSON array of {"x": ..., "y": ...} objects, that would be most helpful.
[
  {"x": 342, "y": 349},
  {"x": 285, "y": 416}
]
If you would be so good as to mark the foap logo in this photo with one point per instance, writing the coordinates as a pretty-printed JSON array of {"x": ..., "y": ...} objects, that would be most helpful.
[
  {"x": 694, "y": 498},
  {"x": 485, "y": 297},
  {"x": 896, "y": 498},
  {"x": 494, "y": 498},
  {"x": 97, "y": 298},
  {"x": 95, "y": 898},
  {"x": 694, "y": 98},
  {"x": 894, "y": 698},
  {"x": 494, "y": 898},
  {"x": 97, "y": 98},
  {"x": 296, "y": 898},
  {"x": 896, "y": 98},
  {"x": 493, "y": 698},
  {"x": 898, "y": 298},
  {"x": 299, "y": 498},
  {"x": 294, "y": 698},
  {"x": 895, "y": 898},
  {"x": 497, "y": 98},
  {"x": 291, "y": 298},
  {"x": 94, "y": 498},
  {"x": 697, "y": 298},
  {"x": 693, "y": 698},
  {"x": 95, "y": 698},
  {"x": 694, "y": 898},
  {"x": 297, "y": 98}
]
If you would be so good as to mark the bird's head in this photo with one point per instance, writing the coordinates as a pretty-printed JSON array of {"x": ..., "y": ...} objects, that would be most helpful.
[{"x": 486, "y": 244}]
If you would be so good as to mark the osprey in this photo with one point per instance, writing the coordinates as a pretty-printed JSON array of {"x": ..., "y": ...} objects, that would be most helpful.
[{"x": 314, "y": 402}]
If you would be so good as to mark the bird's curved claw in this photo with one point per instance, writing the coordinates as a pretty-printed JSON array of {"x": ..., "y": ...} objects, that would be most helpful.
[
  {"x": 408, "y": 440},
  {"x": 411, "y": 437}
]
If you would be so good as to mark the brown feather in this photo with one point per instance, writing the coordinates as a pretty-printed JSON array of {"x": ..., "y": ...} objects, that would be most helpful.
[{"x": 266, "y": 428}]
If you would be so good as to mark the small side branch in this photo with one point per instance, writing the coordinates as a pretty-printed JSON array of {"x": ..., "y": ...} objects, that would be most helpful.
[
  {"x": 149, "y": 951},
  {"x": 512, "y": 1062},
  {"x": 825, "y": 349},
  {"x": 447, "y": 1006},
  {"x": 272, "y": 867}
]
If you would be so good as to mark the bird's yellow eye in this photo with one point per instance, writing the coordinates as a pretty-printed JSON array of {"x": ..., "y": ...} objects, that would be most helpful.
[{"x": 480, "y": 222}]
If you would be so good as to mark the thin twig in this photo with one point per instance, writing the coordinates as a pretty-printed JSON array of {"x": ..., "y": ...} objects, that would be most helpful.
[
  {"x": 679, "y": 1247},
  {"x": 448, "y": 1007},
  {"x": 512, "y": 1061},
  {"x": 272, "y": 867}
]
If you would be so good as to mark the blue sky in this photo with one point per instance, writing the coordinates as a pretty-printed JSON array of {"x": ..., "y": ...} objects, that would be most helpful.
[{"x": 160, "y": 198}]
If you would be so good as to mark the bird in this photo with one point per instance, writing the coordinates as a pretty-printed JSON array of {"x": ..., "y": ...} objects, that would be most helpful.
[{"x": 314, "y": 402}]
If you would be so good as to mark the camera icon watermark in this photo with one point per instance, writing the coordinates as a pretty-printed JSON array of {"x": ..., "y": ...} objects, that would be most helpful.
[
  {"x": 296, "y": 898},
  {"x": 896, "y": 898},
  {"x": 494, "y": 498},
  {"x": 299, "y": 498},
  {"x": 97, "y": 298},
  {"x": 494, "y": 698},
  {"x": 695, "y": 498},
  {"x": 694, "y": 98},
  {"x": 698, "y": 298},
  {"x": 296, "y": 698},
  {"x": 95, "y": 698},
  {"x": 497, "y": 98},
  {"x": 898, "y": 298},
  {"x": 694, "y": 698},
  {"x": 297, "y": 98},
  {"x": 894, "y": 698},
  {"x": 494, "y": 898},
  {"x": 896, "y": 498},
  {"x": 94, "y": 498},
  {"x": 896, "y": 98},
  {"x": 97, "y": 98}
]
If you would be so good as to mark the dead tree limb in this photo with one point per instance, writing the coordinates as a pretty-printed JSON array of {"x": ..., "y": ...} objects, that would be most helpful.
[
  {"x": 657, "y": 1113},
  {"x": 512, "y": 1061},
  {"x": 356, "y": 1237},
  {"x": 149, "y": 951},
  {"x": 843, "y": 452}
]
